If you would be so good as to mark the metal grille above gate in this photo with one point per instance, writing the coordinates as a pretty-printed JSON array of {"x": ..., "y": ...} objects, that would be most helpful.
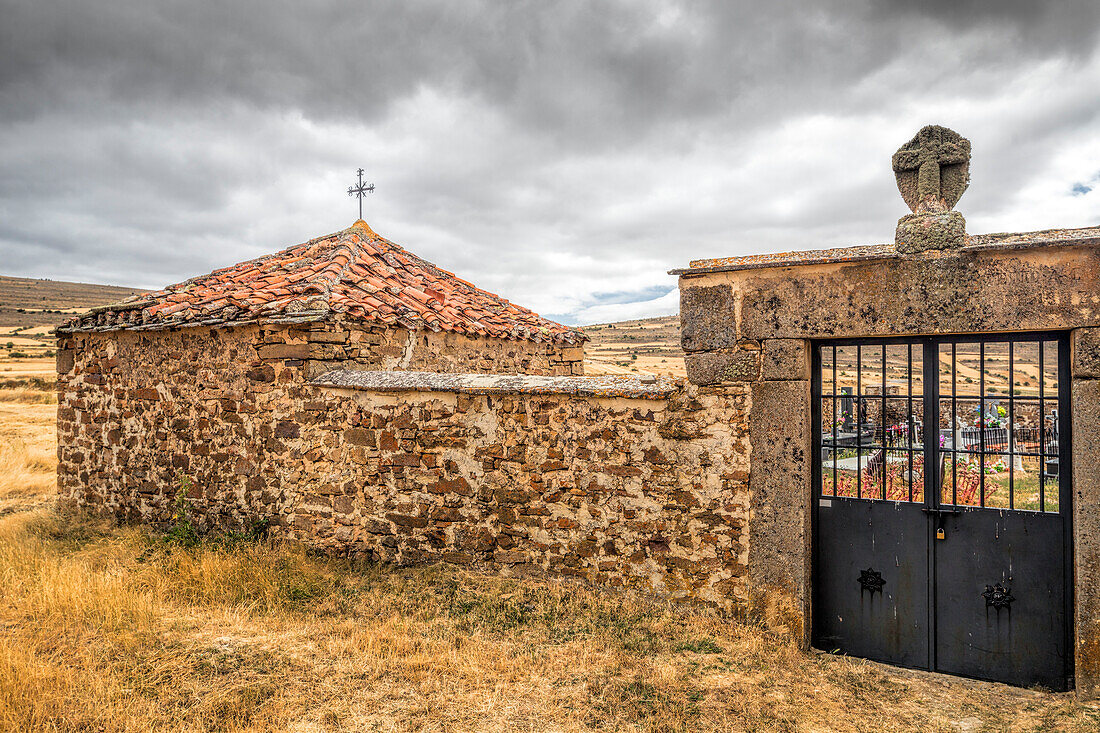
[{"x": 941, "y": 504}]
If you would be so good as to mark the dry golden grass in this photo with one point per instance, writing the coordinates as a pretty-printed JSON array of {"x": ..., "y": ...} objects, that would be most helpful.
[
  {"x": 27, "y": 369},
  {"x": 650, "y": 345},
  {"x": 28, "y": 457},
  {"x": 113, "y": 629}
]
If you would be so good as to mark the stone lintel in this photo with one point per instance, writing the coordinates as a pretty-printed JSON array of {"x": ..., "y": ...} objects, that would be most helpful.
[
  {"x": 954, "y": 292},
  {"x": 653, "y": 388},
  {"x": 1086, "y": 237}
]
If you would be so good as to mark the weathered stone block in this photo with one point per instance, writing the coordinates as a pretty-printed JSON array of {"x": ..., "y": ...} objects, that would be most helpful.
[
  {"x": 263, "y": 373},
  {"x": 930, "y": 231},
  {"x": 1086, "y": 353},
  {"x": 286, "y": 429},
  {"x": 403, "y": 520},
  {"x": 329, "y": 337},
  {"x": 283, "y": 351},
  {"x": 785, "y": 359},
  {"x": 779, "y": 490},
  {"x": 729, "y": 365},
  {"x": 707, "y": 317},
  {"x": 1086, "y": 531},
  {"x": 359, "y": 436},
  {"x": 64, "y": 361}
]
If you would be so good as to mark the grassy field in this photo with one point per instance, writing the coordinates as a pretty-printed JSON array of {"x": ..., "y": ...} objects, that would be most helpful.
[
  {"x": 110, "y": 628},
  {"x": 30, "y": 309},
  {"x": 648, "y": 346},
  {"x": 27, "y": 448}
]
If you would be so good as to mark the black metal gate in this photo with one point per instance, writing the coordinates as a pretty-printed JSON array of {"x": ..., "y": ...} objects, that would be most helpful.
[{"x": 942, "y": 536}]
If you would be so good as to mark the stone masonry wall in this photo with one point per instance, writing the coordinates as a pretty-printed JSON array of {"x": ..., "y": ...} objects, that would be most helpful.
[
  {"x": 649, "y": 494},
  {"x": 349, "y": 345},
  {"x": 641, "y": 493},
  {"x": 136, "y": 409}
]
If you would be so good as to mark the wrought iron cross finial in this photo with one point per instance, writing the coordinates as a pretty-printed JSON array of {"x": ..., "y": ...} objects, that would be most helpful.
[{"x": 360, "y": 190}]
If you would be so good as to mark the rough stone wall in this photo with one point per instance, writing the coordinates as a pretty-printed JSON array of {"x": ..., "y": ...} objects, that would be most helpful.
[
  {"x": 776, "y": 373},
  {"x": 641, "y": 493},
  {"x": 137, "y": 409},
  {"x": 648, "y": 494},
  {"x": 349, "y": 345}
]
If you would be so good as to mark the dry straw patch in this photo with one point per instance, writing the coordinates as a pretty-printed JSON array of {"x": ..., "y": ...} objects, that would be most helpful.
[
  {"x": 113, "y": 629},
  {"x": 28, "y": 457}
]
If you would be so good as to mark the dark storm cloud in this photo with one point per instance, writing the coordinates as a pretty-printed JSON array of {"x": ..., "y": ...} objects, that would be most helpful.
[
  {"x": 563, "y": 153},
  {"x": 1028, "y": 27},
  {"x": 573, "y": 66}
]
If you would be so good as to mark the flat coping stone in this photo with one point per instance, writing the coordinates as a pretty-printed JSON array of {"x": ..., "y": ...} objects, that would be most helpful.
[
  {"x": 629, "y": 387},
  {"x": 1085, "y": 237}
]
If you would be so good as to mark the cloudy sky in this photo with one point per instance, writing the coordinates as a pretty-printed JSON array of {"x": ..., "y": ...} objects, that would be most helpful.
[{"x": 563, "y": 154}]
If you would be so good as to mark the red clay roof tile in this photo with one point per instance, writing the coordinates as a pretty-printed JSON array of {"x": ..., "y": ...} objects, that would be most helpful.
[{"x": 354, "y": 271}]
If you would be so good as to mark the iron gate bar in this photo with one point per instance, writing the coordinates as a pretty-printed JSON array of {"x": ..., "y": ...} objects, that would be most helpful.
[
  {"x": 882, "y": 427},
  {"x": 834, "y": 448},
  {"x": 981, "y": 425},
  {"x": 1042, "y": 432},
  {"x": 859, "y": 421},
  {"x": 932, "y": 480},
  {"x": 909, "y": 417},
  {"x": 954, "y": 422},
  {"x": 1011, "y": 427}
]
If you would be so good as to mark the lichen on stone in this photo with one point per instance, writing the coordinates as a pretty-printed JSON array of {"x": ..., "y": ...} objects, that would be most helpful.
[{"x": 932, "y": 171}]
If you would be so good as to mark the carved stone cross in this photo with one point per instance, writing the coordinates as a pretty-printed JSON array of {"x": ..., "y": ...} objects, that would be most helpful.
[{"x": 933, "y": 169}]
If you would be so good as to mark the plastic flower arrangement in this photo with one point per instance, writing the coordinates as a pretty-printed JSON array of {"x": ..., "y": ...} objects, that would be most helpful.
[{"x": 994, "y": 417}]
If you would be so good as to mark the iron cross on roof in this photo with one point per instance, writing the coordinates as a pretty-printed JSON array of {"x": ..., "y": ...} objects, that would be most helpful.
[{"x": 360, "y": 190}]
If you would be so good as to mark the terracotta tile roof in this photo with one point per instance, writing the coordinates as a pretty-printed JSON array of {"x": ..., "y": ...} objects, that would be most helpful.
[
  {"x": 353, "y": 274},
  {"x": 1020, "y": 240}
]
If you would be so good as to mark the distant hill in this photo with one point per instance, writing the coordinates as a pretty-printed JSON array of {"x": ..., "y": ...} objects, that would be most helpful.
[
  {"x": 30, "y": 302},
  {"x": 30, "y": 308},
  {"x": 646, "y": 346}
]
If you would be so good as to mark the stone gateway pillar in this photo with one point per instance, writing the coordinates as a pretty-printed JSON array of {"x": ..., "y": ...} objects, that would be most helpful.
[
  {"x": 775, "y": 372},
  {"x": 1086, "y": 516}
]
